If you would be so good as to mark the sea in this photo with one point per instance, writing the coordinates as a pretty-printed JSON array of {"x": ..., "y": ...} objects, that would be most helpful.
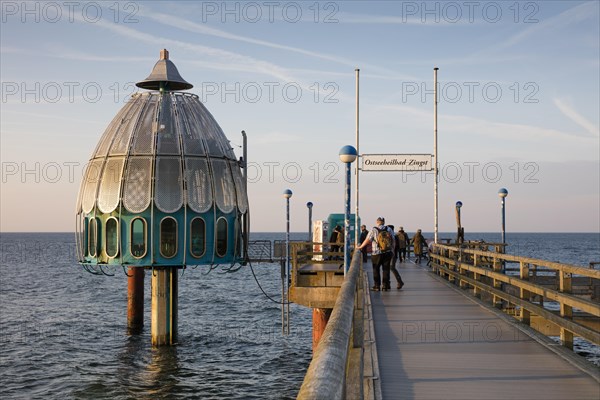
[{"x": 63, "y": 330}]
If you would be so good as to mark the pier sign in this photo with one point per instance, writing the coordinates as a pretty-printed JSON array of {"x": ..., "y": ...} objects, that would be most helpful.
[{"x": 396, "y": 162}]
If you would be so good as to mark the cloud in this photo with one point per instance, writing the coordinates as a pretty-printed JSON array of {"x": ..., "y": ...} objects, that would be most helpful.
[
  {"x": 576, "y": 117},
  {"x": 62, "y": 52},
  {"x": 574, "y": 15},
  {"x": 249, "y": 63},
  {"x": 409, "y": 18},
  {"x": 190, "y": 26},
  {"x": 496, "y": 53},
  {"x": 464, "y": 124}
]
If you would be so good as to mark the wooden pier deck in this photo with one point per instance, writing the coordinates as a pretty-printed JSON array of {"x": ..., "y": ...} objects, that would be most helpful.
[{"x": 436, "y": 343}]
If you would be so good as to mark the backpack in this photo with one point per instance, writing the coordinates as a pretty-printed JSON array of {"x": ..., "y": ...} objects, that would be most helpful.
[
  {"x": 401, "y": 240},
  {"x": 384, "y": 240}
]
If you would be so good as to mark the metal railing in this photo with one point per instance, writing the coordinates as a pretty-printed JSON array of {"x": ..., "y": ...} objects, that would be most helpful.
[
  {"x": 260, "y": 251},
  {"x": 484, "y": 273},
  {"x": 337, "y": 361}
]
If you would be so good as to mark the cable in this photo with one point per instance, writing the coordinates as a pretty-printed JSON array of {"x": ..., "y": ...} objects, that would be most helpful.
[
  {"x": 260, "y": 287},
  {"x": 102, "y": 270},
  {"x": 210, "y": 269},
  {"x": 87, "y": 269}
]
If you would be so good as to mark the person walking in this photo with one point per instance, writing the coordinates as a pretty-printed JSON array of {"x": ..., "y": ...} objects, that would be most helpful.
[
  {"x": 403, "y": 241},
  {"x": 394, "y": 258},
  {"x": 333, "y": 242},
  {"x": 383, "y": 245},
  {"x": 363, "y": 235},
  {"x": 340, "y": 243},
  {"x": 418, "y": 241}
]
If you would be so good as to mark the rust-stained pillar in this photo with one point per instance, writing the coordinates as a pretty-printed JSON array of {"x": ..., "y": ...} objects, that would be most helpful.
[
  {"x": 135, "y": 300},
  {"x": 164, "y": 306},
  {"x": 320, "y": 319}
]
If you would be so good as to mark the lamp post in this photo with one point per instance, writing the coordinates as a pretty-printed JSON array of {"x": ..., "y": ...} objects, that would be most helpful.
[
  {"x": 309, "y": 205},
  {"x": 503, "y": 193},
  {"x": 287, "y": 194},
  {"x": 347, "y": 155},
  {"x": 460, "y": 233}
]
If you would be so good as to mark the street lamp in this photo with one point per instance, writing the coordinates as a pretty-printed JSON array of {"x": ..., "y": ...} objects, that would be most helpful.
[
  {"x": 503, "y": 193},
  {"x": 347, "y": 155},
  {"x": 309, "y": 205},
  {"x": 460, "y": 235}
]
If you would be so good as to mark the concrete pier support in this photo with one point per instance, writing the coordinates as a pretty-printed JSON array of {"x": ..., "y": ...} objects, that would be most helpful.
[
  {"x": 164, "y": 306},
  {"x": 320, "y": 319},
  {"x": 135, "y": 300}
]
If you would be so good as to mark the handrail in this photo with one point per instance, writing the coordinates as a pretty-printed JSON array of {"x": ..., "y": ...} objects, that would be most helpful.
[
  {"x": 573, "y": 269},
  {"x": 568, "y": 299},
  {"x": 465, "y": 267},
  {"x": 326, "y": 375}
]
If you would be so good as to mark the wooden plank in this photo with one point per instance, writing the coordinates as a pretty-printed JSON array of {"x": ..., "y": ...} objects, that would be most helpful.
[{"x": 317, "y": 267}]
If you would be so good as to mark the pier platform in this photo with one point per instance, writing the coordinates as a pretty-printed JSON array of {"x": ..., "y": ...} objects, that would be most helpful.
[{"x": 433, "y": 342}]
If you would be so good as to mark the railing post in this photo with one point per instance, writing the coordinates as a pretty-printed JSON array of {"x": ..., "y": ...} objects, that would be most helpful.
[
  {"x": 476, "y": 289},
  {"x": 461, "y": 283},
  {"x": 497, "y": 267},
  {"x": 534, "y": 275},
  {"x": 565, "y": 283},
  {"x": 448, "y": 265},
  {"x": 525, "y": 315},
  {"x": 453, "y": 266},
  {"x": 436, "y": 262}
]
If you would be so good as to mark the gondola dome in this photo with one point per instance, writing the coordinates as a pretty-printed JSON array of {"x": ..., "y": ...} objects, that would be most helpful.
[{"x": 163, "y": 186}]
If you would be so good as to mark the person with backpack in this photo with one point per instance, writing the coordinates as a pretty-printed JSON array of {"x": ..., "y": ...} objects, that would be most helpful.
[
  {"x": 381, "y": 238},
  {"x": 403, "y": 242}
]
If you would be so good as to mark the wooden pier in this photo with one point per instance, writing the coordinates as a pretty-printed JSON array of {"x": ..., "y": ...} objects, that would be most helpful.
[{"x": 435, "y": 340}]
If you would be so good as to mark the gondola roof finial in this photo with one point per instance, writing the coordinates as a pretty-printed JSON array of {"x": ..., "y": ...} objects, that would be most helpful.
[{"x": 164, "y": 76}]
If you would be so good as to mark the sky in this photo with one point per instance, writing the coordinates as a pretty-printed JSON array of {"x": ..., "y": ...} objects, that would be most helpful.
[{"x": 518, "y": 108}]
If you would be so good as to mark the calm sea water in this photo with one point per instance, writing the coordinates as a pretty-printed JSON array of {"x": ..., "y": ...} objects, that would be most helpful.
[{"x": 62, "y": 330}]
